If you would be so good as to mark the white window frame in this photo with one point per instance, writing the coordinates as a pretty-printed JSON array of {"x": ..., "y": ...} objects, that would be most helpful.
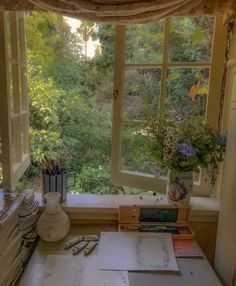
[
  {"x": 215, "y": 65},
  {"x": 14, "y": 123}
]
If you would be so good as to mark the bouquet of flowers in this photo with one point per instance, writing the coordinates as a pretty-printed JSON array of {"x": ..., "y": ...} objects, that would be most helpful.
[{"x": 184, "y": 143}]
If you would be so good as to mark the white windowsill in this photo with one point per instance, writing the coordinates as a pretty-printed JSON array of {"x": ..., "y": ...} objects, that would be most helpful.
[{"x": 105, "y": 207}]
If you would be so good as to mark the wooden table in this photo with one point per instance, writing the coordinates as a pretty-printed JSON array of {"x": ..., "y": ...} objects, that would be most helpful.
[{"x": 193, "y": 271}]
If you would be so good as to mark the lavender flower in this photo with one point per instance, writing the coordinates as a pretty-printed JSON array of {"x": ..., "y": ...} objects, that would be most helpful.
[
  {"x": 156, "y": 170},
  {"x": 187, "y": 150},
  {"x": 222, "y": 138}
]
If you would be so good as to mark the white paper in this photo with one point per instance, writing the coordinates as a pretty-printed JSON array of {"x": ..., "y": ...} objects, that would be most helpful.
[
  {"x": 68, "y": 270},
  {"x": 136, "y": 251}
]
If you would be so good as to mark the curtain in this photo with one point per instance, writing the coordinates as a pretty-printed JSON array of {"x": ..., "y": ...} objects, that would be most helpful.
[{"x": 125, "y": 11}]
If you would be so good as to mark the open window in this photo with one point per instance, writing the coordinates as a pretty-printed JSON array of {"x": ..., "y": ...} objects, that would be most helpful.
[
  {"x": 176, "y": 62},
  {"x": 14, "y": 125}
]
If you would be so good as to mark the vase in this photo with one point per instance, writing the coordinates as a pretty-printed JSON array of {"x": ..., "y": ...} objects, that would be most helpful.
[
  {"x": 179, "y": 188},
  {"x": 53, "y": 224}
]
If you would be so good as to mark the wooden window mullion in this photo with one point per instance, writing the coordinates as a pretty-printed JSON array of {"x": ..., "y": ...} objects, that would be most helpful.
[
  {"x": 165, "y": 62},
  {"x": 24, "y": 86}
]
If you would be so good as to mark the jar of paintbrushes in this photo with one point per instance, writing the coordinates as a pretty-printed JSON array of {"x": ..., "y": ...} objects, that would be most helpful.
[{"x": 55, "y": 178}]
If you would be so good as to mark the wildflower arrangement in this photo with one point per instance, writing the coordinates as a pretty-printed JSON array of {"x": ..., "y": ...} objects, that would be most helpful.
[{"x": 184, "y": 143}]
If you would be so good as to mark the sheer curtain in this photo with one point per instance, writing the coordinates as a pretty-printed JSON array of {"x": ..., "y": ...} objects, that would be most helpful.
[{"x": 125, "y": 11}]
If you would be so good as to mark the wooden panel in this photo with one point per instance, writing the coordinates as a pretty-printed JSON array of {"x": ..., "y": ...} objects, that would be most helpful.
[
  {"x": 205, "y": 235},
  {"x": 225, "y": 261},
  {"x": 216, "y": 74}
]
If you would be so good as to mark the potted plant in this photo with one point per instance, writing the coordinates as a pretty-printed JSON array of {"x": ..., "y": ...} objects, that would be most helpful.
[{"x": 182, "y": 144}]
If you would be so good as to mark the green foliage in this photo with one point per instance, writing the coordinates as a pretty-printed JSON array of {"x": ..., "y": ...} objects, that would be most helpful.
[
  {"x": 86, "y": 132},
  {"x": 95, "y": 181},
  {"x": 144, "y": 43},
  {"x": 68, "y": 120},
  {"x": 106, "y": 36},
  {"x": 179, "y": 84},
  {"x": 190, "y": 39}
]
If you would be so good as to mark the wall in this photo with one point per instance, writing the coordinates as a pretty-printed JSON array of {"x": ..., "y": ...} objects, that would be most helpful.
[{"x": 225, "y": 256}]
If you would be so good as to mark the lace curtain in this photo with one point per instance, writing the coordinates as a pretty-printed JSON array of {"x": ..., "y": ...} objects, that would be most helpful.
[{"x": 125, "y": 11}]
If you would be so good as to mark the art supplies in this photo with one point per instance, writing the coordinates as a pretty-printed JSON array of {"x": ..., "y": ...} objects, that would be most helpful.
[
  {"x": 50, "y": 167},
  {"x": 136, "y": 252},
  {"x": 55, "y": 178},
  {"x": 186, "y": 248},
  {"x": 157, "y": 218},
  {"x": 80, "y": 246},
  {"x": 86, "y": 242},
  {"x": 89, "y": 247}
]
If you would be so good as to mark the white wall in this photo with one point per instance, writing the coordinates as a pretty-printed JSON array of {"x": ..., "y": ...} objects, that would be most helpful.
[{"x": 225, "y": 256}]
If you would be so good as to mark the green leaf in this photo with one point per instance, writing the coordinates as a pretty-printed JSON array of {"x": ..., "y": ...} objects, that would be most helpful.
[{"x": 197, "y": 36}]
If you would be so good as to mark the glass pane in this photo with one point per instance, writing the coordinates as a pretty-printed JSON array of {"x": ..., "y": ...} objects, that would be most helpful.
[
  {"x": 134, "y": 155},
  {"x": 8, "y": 36},
  {"x": 13, "y": 140},
  {"x": 191, "y": 39},
  {"x": 10, "y": 84},
  {"x": 16, "y": 91},
  {"x": 196, "y": 177},
  {"x": 23, "y": 87},
  {"x": 22, "y": 135},
  {"x": 141, "y": 94},
  {"x": 144, "y": 43},
  {"x": 187, "y": 90}
]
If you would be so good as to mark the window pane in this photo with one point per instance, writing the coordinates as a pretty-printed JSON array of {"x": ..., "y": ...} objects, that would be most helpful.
[
  {"x": 144, "y": 43},
  {"x": 8, "y": 36},
  {"x": 134, "y": 157},
  {"x": 191, "y": 39},
  {"x": 141, "y": 94},
  {"x": 187, "y": 90},
  {"x": 13, "y": 140},
  {"x": 10, "y": 85}
]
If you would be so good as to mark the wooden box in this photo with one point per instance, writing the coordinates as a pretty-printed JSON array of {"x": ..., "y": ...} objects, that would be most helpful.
[{"x": 161, "y": 218}]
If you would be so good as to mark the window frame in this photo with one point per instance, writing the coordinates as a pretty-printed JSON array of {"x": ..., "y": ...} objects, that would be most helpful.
[
  {"x": 13, "y": 87},
  {"x": 216, "y": 66}
]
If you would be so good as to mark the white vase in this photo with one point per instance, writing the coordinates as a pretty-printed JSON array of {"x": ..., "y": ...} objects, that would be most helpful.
[
  {"x": 53, "y": 224},
  {"x": 179, "y": 188}
]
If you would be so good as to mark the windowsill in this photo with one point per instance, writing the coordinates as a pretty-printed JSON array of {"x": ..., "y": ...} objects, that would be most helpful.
[{"x": 104, "y": 208}]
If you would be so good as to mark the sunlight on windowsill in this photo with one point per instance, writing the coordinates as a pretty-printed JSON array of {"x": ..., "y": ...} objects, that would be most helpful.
[{"x": 89, "y": 206}]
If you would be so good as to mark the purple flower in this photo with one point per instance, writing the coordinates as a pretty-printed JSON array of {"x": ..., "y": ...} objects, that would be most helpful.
[
  {"x": 187, "y": 150},
  {"x": 222, "y": 138},
  {"x": 156, "y": 170},
  {"x": 174, "y": 113}
]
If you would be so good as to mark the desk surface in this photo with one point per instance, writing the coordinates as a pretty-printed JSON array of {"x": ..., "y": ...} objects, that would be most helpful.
[{"x": 194, "y": 271}]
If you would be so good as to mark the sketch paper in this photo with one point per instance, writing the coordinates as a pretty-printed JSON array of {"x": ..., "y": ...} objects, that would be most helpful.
[
  {"x": 136, "y": 251},
  {"x": 68, "y": 270}
]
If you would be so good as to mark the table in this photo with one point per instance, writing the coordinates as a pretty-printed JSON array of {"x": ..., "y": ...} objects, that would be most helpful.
[{"x": 193, "y": 271}]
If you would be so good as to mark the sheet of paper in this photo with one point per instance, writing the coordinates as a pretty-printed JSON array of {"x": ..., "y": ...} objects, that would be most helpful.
[
  {"x": 68, "y": 270},
  {"x": 136, "y": 251}
]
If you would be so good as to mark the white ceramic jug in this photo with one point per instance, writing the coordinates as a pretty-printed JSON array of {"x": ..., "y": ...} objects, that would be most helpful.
[{"x": 53, "y": 224}]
